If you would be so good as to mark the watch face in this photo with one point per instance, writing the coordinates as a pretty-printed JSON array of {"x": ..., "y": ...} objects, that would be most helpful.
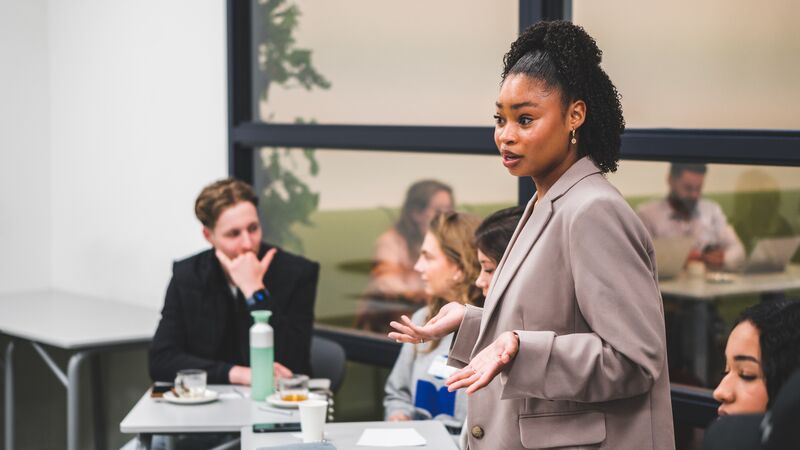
[{"x": 260, "y": 295}]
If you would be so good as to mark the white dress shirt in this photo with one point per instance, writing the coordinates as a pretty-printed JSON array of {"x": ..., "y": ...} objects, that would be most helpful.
[{"x": 707, "y": 225}]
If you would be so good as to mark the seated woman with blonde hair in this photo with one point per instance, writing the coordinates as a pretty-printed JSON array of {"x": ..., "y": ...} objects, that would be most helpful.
[{"x": 448, "y": 265}]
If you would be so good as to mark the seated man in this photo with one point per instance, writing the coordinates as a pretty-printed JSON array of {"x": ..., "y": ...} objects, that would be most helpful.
[
  {"x": 206, "y": 317},
  {"x": 684, "y": 214}
]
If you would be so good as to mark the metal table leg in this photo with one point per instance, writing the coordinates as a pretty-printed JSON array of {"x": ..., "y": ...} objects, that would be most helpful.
[
  {"x": 9, "y": 401},
  {"x": 145, "y": 441},
  {"x": 98, "y": 402},
  {"x": 71, "y": 381},
  {"x": 701, "y": 338},
  {"x": 73, "y": 397}
]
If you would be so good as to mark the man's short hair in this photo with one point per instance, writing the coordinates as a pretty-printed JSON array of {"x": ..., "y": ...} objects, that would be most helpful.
[
  {"x": 677, "y": 169},
  {"x": 220, "y": 195}
]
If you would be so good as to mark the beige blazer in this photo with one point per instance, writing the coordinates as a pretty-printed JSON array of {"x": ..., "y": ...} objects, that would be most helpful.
[{"x": 578, "y": 285}]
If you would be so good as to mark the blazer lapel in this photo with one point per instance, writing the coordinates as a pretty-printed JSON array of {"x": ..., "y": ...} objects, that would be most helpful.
[
  {"x": 533, "y": 222},
  {"x": 216, "y": 295},
  {"x": 525, "y": 236}
]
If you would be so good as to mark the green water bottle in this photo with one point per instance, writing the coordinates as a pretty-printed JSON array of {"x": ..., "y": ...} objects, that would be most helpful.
[{"x": 262, "y": 355}]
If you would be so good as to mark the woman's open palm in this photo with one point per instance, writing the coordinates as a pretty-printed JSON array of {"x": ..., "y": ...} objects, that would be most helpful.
[{"x": 444, "y": 323}]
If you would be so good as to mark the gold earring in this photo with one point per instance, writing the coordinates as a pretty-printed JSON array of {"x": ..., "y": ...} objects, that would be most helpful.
[{"x": 574, "y": 141}]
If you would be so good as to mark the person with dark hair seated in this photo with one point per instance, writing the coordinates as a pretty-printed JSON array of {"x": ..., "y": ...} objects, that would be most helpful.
[
  {"x": 762, "y": 352},
  {"x": 684, "y": 214},
  {"x": 760, "y": 393},
  {"x": 491, "y": 239},
  {"x": 395, "y": 288},
  {"x": 777, "y": 429}
]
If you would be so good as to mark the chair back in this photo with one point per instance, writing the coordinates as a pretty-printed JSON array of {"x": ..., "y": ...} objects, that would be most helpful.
[{"x": 328, "y": 361}]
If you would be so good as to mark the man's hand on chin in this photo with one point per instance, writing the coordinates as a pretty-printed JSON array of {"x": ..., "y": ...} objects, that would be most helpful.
[{"x": 246, "y": 271}]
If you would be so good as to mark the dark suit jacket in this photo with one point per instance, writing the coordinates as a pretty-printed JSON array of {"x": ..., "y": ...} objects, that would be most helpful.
[{"x": 195, "y": 319}]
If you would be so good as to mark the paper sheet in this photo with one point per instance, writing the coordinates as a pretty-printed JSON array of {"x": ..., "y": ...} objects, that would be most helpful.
[{"x": 391, "y": 437}]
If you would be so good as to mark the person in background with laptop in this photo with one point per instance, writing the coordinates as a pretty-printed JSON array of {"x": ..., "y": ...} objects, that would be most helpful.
[{"x": 683, "y": 213}]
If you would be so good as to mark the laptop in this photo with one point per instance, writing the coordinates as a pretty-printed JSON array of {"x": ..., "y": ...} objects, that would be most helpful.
[
  {"x": 671, "y": 254},
  {"x": 771, "y": 254}
]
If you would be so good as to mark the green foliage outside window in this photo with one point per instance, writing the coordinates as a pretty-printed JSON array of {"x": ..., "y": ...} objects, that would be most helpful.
[{"x": 285, "y": 199}]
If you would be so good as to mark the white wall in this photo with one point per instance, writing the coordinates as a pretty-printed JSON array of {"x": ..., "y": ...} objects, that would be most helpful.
[
  {"x": 24, "y": 153},
  {"x": 138, "y": 126}
]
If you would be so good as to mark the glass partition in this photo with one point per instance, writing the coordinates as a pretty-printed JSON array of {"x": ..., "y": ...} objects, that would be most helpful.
[
  {"x": 725, "y": 239},
  {"x": 710, "y": 64},
  {"x": 342, "y": 208},
  {"x": 379, "y": 63}
]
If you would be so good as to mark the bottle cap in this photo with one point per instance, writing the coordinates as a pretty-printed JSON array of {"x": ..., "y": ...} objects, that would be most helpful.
[{"x": 261, "y": 316}]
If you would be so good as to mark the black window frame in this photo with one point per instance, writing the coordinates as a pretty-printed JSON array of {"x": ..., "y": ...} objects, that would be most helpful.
[{"x": 724, "y": 146}]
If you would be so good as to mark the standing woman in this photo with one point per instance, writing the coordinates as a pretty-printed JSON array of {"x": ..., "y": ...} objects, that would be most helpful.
[{"x": 573, "y": 322}]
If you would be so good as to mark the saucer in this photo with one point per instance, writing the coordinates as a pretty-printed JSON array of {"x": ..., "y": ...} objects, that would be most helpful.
[
  {"x": 209, "y": 396},
  {"x": 275, "y": 400}
]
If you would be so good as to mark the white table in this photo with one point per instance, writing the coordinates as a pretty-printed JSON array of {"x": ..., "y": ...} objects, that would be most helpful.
[
  {"x": 76, "y": 323},
  {"x": 229, "y": 414},
  {"x": 743, "y": 283},
  {"x": 345, "y": 435},
  {"x": 703, "y": 293}
]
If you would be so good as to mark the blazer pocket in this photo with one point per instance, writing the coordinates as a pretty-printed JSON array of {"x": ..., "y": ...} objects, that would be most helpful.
[{"x": 567, "y": 429}]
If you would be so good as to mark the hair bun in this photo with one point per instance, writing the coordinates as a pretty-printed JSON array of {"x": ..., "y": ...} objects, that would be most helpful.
[{"x": 560, "y": 40}]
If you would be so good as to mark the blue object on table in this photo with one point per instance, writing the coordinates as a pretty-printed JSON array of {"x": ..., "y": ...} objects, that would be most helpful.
[{"x": 435, "y": 401}]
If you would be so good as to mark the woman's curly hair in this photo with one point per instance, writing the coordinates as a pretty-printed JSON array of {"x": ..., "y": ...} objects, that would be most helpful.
[
  {"x": 564, "y": 56},
  {"x": 778, "y": 324}
]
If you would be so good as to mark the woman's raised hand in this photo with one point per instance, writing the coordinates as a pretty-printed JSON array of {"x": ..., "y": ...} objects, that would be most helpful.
[
  {"x": 444, "y": 323},
  {"x": 486, "y": 364}
]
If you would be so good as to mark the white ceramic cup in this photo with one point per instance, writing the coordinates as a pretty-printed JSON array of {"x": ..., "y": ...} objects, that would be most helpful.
[
  {"x": 312, "y": 419},
  {"x": 696, "y": 269}
]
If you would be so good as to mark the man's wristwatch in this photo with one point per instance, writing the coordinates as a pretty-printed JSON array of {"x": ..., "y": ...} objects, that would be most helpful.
[{"x": 258, "y": 297}]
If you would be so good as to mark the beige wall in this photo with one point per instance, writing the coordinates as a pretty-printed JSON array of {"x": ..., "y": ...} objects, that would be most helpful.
[
  {"x": 402, "y": 63},
  {"x": 700, "y": 64}
]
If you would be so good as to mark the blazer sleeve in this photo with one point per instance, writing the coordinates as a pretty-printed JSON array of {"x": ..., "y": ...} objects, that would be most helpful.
[
  {"x": 618, "y": 297},
  {"x": 298, "y": 321},
  {"x": 465, "y": 338},
  {"x": 169, "y": 349}
]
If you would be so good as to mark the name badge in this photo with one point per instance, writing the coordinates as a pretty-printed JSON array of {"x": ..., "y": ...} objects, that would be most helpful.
[{"x": 440, "y": 369}]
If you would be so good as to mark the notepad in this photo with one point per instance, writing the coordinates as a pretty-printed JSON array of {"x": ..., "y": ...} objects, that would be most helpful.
[
  {"x": 391, "y": 437},
  {"x": 309, "y": 446}
]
